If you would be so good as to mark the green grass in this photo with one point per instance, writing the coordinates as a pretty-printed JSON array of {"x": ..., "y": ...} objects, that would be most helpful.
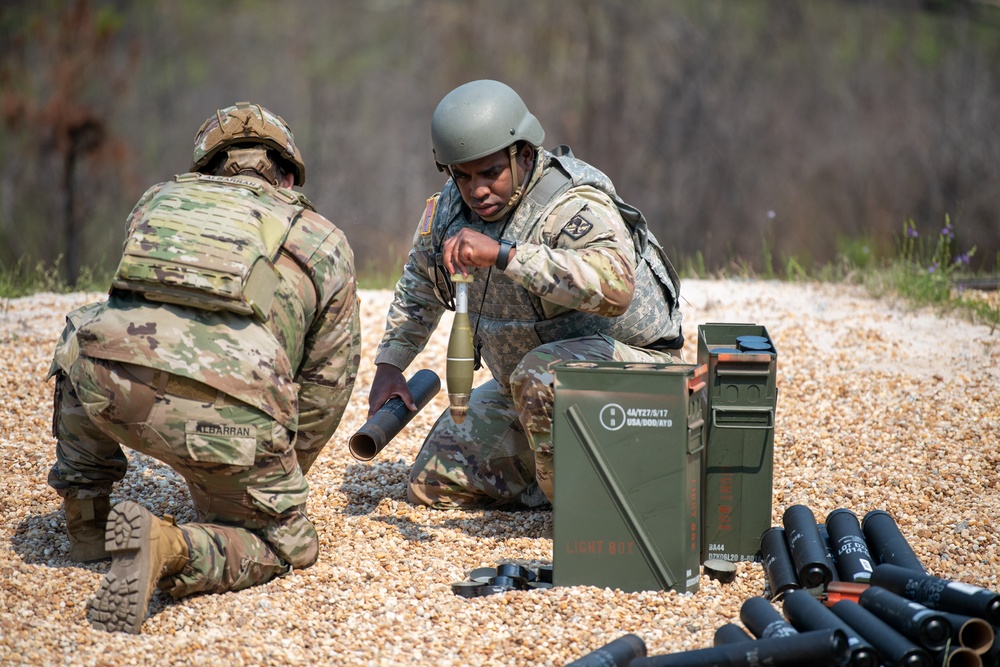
[
  {"x": 928, "y": 270},
  {"x": 925, "y": 270},
  {"x": 24, "y": 279}
]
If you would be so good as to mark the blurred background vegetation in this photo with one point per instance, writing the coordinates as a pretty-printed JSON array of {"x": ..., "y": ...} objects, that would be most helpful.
[{"x": 752, "y": 133}]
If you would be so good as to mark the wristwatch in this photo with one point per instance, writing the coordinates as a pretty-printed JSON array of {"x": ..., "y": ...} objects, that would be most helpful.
[{"x": 504, "y": 255}]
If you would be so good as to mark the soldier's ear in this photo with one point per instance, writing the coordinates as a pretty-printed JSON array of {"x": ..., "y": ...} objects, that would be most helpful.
[{"x": 526, "y": 156}]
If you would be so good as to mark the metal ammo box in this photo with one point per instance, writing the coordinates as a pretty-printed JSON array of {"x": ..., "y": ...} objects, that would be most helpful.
[
  {"x": 628, "y": 439},
  {"x": 739, "y": 450}
]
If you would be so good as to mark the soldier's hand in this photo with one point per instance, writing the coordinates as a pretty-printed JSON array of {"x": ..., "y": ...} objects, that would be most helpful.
[
  {"x": 388, "y": 382},
  {"x": 469, "y": 249}
]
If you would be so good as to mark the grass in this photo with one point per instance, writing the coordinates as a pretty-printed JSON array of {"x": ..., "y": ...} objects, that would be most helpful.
[
  {"x": 24, "y": 279},
  {"x": 926, "y": 270}
]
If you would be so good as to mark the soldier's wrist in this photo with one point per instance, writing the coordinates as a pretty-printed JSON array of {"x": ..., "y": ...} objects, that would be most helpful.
[{"x": 503, "y": 257}]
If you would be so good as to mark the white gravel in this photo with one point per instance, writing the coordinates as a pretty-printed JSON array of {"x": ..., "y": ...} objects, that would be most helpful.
[{"x": 880, "y": 407}]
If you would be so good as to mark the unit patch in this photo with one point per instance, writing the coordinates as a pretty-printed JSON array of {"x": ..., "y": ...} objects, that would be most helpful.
[
  {"x": 577, "y": 227},
  {"x": 428, "y": 217}
]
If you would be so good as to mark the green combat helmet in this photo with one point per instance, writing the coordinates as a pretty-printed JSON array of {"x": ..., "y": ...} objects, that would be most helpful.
[
  {"x": 248, "y": 124},
  {"x": 480, "y": 118}
]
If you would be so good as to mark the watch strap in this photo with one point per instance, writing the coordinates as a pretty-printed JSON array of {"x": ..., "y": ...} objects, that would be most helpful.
[{"x": 503, "y": 257}]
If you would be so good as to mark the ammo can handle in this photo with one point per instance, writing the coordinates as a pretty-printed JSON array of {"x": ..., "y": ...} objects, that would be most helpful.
[
  {"x": 742, "y": 372},
  {"x": 698, "y": 424},
  {"x": 768, "y": 411}
]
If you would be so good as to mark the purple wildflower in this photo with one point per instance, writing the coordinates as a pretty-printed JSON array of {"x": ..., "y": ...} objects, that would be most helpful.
[
  {"x": 962, "y": 259},
  {"x": 932, "y": 268},
  {"x": 911, "y": 233},
  {"x": 948, "y": 232}
]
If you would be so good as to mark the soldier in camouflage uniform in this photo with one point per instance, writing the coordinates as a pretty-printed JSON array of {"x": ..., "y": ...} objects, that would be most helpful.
[
  {"x": 563, "y": 270},
  {"x": 227, "y": 348}
]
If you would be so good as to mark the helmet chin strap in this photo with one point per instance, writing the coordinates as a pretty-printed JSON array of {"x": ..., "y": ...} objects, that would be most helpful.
[{"x": 518, "y": 192}]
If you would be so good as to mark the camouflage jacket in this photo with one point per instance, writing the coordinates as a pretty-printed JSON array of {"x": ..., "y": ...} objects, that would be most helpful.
[
  {"x": 299, "y": 365},
  {"x": 580, "y": 268}
]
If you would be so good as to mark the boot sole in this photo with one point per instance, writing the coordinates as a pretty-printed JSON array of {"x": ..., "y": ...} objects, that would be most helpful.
[{"x": 122, "y": 601}]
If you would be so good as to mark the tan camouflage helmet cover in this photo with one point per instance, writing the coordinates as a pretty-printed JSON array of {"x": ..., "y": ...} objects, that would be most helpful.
[{"x": 246, "y": 123}]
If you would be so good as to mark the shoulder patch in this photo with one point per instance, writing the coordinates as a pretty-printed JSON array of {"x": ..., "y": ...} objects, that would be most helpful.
[
  {"x": 428, "y": 217},
  {"x": 578, "y": 227}
]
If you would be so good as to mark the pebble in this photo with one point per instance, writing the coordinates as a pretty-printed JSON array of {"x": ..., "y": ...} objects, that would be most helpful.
[{"x": 880, "y": 407}]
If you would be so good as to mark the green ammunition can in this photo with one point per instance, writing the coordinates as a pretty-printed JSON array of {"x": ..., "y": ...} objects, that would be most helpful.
[
  {"x": 628, "y": 440},
  {"x": 739, "y": 448}
]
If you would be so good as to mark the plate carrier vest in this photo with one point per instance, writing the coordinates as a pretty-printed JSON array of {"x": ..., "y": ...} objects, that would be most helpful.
[{"x": 209, "y": 242}]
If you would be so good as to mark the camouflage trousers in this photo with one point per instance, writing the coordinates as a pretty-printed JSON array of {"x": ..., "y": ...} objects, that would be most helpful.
[
  {"x": 248, "y": 490},
  {"x": 488, "y": 461}
]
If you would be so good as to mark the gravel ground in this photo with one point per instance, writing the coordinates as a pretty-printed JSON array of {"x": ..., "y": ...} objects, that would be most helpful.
[{"x": 881, "y": 407}]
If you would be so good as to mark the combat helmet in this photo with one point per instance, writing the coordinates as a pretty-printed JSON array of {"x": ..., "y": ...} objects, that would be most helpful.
[
  {"x": 246, "y": 123},
  {"x": 480, "y": 118}
]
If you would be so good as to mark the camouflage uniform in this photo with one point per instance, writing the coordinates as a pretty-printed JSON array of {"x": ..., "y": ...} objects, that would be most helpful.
[
  {"x": 239, "y": 405},
  {"x": 588, "y": 281}
]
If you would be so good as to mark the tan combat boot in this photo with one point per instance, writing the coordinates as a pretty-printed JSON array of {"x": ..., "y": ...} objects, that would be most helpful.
[
  {"x": 545, "y": 474},
  {"x": 86, "y": 521},
  {"x": 143, "y": 549}
]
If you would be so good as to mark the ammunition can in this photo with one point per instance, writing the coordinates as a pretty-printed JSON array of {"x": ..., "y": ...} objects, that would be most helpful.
[
  {"x": 739, "y": 450},
  {"x": 629, "y": 440}
]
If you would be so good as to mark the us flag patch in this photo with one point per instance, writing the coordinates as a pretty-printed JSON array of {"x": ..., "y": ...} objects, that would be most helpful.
[{"x": 428, "y": 218}]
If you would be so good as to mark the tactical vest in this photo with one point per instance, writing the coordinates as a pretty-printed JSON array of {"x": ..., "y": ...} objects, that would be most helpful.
[
  {"x": 511, "y": 321},
  {"x": 209, "y": 242}
]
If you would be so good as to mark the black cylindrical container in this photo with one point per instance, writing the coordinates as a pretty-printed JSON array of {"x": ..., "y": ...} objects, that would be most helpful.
[
  {"x": 807, "y": 613},
  {"x": 730, "y": 633},
  {"x": 777, "y": 563},
  {"x": 991, "y": 658},
  {"x": 938, "y": 593},
  {"x": 806, "y": 547},
  {"x": 831, "y": 561},
  {"x": 971, "y": 632},
  {"x": 850, "y": 550},
  {"x": 893, "y": 649},
  {"x": 618, "y": 653},
  {"x": 821, "y": 647},
  {"x": 886, "y": 543},
  {"x": 958, "y": 656},
  {"x": 763, "y": 620},
  {"x": 390, "y": 419},
  {"x": 914, "y": 621}
]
